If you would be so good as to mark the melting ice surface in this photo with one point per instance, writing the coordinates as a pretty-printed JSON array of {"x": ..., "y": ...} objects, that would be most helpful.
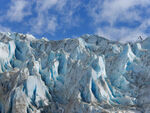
[{"x": 87, "y": 74}]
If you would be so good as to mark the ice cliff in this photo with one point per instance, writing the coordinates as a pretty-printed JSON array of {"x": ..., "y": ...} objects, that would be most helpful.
[{"x": 89, "y": 74}]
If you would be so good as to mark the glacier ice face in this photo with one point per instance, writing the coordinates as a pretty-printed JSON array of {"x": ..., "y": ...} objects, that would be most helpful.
[
  {"x": 87, "y": 74},
  {"x": 7, "y": 51}
]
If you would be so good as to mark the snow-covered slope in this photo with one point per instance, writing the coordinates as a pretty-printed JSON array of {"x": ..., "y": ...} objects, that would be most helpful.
[{"x": 89, "y": 74}]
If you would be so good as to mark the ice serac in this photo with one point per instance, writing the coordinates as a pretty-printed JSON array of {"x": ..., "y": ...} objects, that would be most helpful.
[{"x": 89, "y": 74}]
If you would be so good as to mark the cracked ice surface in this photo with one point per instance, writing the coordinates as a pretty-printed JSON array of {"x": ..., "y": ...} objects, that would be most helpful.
[{"x": 87, "y": 74}]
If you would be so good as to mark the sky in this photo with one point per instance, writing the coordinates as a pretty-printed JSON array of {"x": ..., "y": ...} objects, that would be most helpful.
[{"x": 121, "y": 20}]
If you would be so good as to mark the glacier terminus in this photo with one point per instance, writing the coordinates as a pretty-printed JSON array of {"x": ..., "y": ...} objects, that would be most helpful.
[{"x": 88, "y": 74}]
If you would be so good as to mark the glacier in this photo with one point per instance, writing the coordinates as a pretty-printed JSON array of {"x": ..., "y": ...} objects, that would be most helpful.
[{"x": 86, "y": 74}]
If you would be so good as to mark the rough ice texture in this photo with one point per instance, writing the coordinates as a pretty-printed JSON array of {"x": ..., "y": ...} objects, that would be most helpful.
[{"x": 89, "y": 74}]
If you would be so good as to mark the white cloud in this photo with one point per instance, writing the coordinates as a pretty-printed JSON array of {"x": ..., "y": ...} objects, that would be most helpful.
[
  {"x": 113, "y": 11},
  {"x": 43, "y": 5},
  {"x": 48, "y": 22},
  {"x": 43, "y": 23},
  {"x": 60, "y": 6},
  {"x": 69, "y": 11},
  {"x": 124, "y": 34},
  {"x": 44, "y": 16},
  {"x": 52, "y": 24},
  {"x": 37, "y": 24},
  {"x": 18, "y": 10},
  {"x": 4, "y": 29}
]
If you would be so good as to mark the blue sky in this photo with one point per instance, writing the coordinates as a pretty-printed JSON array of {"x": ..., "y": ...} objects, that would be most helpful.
[{"x": 122, "y": 20}]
